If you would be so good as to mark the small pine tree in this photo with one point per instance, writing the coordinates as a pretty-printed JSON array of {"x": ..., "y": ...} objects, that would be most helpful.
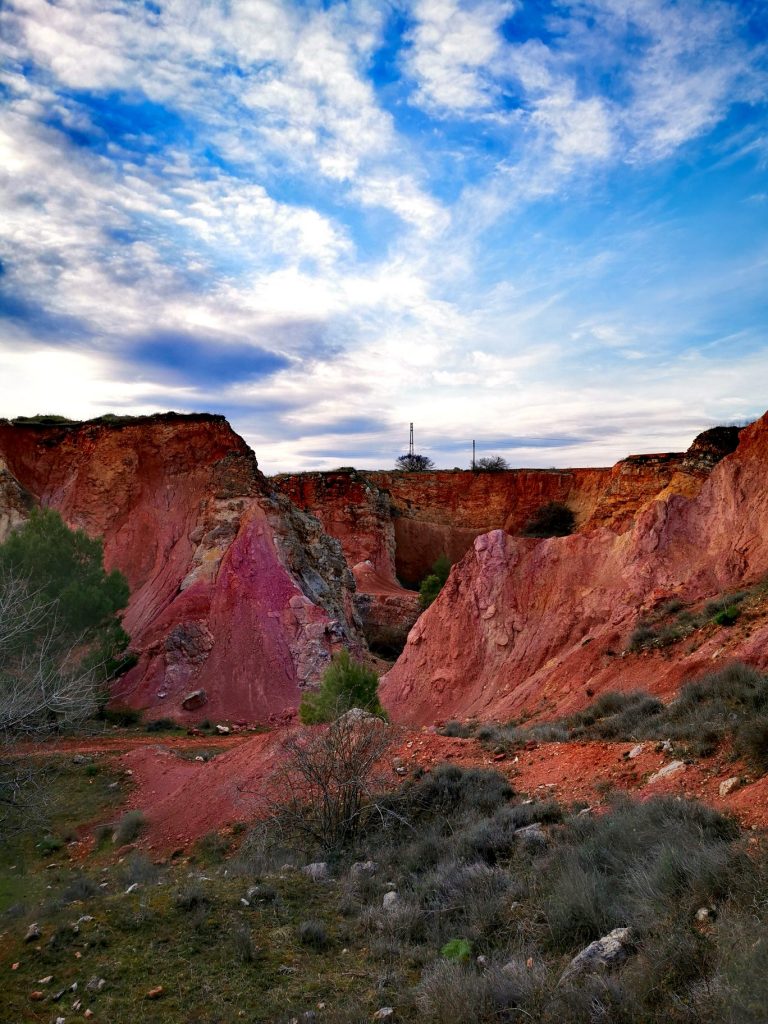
[
  {"x": 432, "y": 584},
  {"x": 346, "y": 684},
  {"x": 65, "y": 568}
]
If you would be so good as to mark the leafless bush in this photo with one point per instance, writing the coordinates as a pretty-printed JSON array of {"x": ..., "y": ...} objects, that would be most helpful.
[
  {"x": 43, "y": 683},
  {"x": 325, "y": 788},
  {"x": 43, "y": 686}
]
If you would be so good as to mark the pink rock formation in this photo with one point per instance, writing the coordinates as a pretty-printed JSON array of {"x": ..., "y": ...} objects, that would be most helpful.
[
  {"x": 233, "y": 590},
  {"x": 543, "y": 625}
]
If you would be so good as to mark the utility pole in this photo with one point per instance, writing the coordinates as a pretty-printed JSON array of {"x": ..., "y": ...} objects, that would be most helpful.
[
  {"x": 410, "y": 446},
  {"x": 473, "y": 456}
]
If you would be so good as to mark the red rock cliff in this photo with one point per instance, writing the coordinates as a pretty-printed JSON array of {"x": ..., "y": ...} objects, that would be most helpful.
[
  {"x": 542, "y": 625},
  {"x": 401, "y": 522},
  {"x": 233, "y": 590}
]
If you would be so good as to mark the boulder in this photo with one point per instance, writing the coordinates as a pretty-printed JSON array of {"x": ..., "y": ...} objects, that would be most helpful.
[
  {"x": 664, "y": 773},
  {"x": 362, "y": 868},
  {"x": 729, "y": 785},
  {"x": 194, "y": 700},
  {"x": 318, "y": 871},
  {"x": 608, "y": 952}
]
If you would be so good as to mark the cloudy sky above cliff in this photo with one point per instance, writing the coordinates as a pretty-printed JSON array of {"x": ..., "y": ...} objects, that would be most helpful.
[{"x": 542, "y": 225}]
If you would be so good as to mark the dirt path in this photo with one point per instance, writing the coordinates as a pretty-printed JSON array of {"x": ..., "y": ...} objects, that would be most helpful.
[{"x": 118, "y": 744}]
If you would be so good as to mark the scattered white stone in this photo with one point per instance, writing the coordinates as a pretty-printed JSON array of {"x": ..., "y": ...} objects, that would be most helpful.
[
  {"x": 384, "y": 1013},
  {"x": 363, "y": 867},
  {"x": 46, "y": 980},
  {"x": 637, "y": 750},
  {"x": 729, "y": 785},
  {"x": 355, "y": 715},
  {"x": 222, "y": 730},
  {"x": 533, "y": 835},
  {"x": 33, "y": 932},
  {"x": 705, "y": 914},
  {"x": 666, "y": 746},
  {"x": 318, "y": 872},
  {"x": 669, "y": 769},
  {"x": 244, "y": 902},
  {"x": 200, "y": 758},
  {"x": 132, "y": 888},
  {"x": 390, "y": 901}
]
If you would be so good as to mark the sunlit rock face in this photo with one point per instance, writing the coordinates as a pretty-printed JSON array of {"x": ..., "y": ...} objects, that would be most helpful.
[
  {"x": 234, "y": 591},
  {"x": 543, "y": 625}
]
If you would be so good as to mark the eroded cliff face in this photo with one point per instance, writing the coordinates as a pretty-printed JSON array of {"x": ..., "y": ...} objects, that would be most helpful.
[
  {"x": 543, "y": 625},
  {"x": 233, "y": 589},
  {"x": 401, "y": 523}
]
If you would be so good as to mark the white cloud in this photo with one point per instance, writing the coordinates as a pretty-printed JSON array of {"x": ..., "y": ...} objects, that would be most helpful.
[{"x": 453, "y": 51}]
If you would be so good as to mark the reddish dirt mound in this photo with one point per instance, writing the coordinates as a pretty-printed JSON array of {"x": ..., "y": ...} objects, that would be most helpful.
[{"x": 185, "y": 799}]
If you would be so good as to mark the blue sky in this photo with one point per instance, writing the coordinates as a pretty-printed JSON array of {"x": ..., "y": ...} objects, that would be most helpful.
[{"x": 541, "y": 225}]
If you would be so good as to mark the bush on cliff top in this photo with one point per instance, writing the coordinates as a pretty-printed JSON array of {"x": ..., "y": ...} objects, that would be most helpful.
[{"x": 346, "y": 684}]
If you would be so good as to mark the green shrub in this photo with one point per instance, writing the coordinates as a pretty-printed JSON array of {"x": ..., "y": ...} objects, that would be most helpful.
[
  {"x": 50, "y": 844},
  {"x": 120, "y": 715},
  {"x": 162, "y": 725},
  {"x": 433, "y": 583},
  {"x": 129, "y": 826},
  {"x": 346, "y": 684},
  {"x": 551, "y": 520},
  {"x": 313, "y": 934},
  {"x": 457, "y": 949},
  {"x": 751, "y": 741},
  {"x": 728, "y": 616},
  {"x": 80, "y": 888}
]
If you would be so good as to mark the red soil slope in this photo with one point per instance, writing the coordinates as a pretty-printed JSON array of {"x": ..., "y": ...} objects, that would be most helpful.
[
  {"x": 540, "y": 625},
  {"x": 233, "y": 590},
  {"x": 236, "y": 783}
]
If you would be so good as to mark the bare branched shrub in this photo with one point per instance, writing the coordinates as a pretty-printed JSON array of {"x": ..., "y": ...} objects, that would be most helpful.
[
  {"x": 324, "y": 789},
  {"x": 43, "y": 684}
]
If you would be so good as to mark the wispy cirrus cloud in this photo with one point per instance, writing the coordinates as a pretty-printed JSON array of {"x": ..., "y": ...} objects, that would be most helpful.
[{"x": 328, "y": 220}]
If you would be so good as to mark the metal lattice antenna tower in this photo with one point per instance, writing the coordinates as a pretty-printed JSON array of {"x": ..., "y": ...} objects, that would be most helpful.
[{"x": 410, "y": 445}]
